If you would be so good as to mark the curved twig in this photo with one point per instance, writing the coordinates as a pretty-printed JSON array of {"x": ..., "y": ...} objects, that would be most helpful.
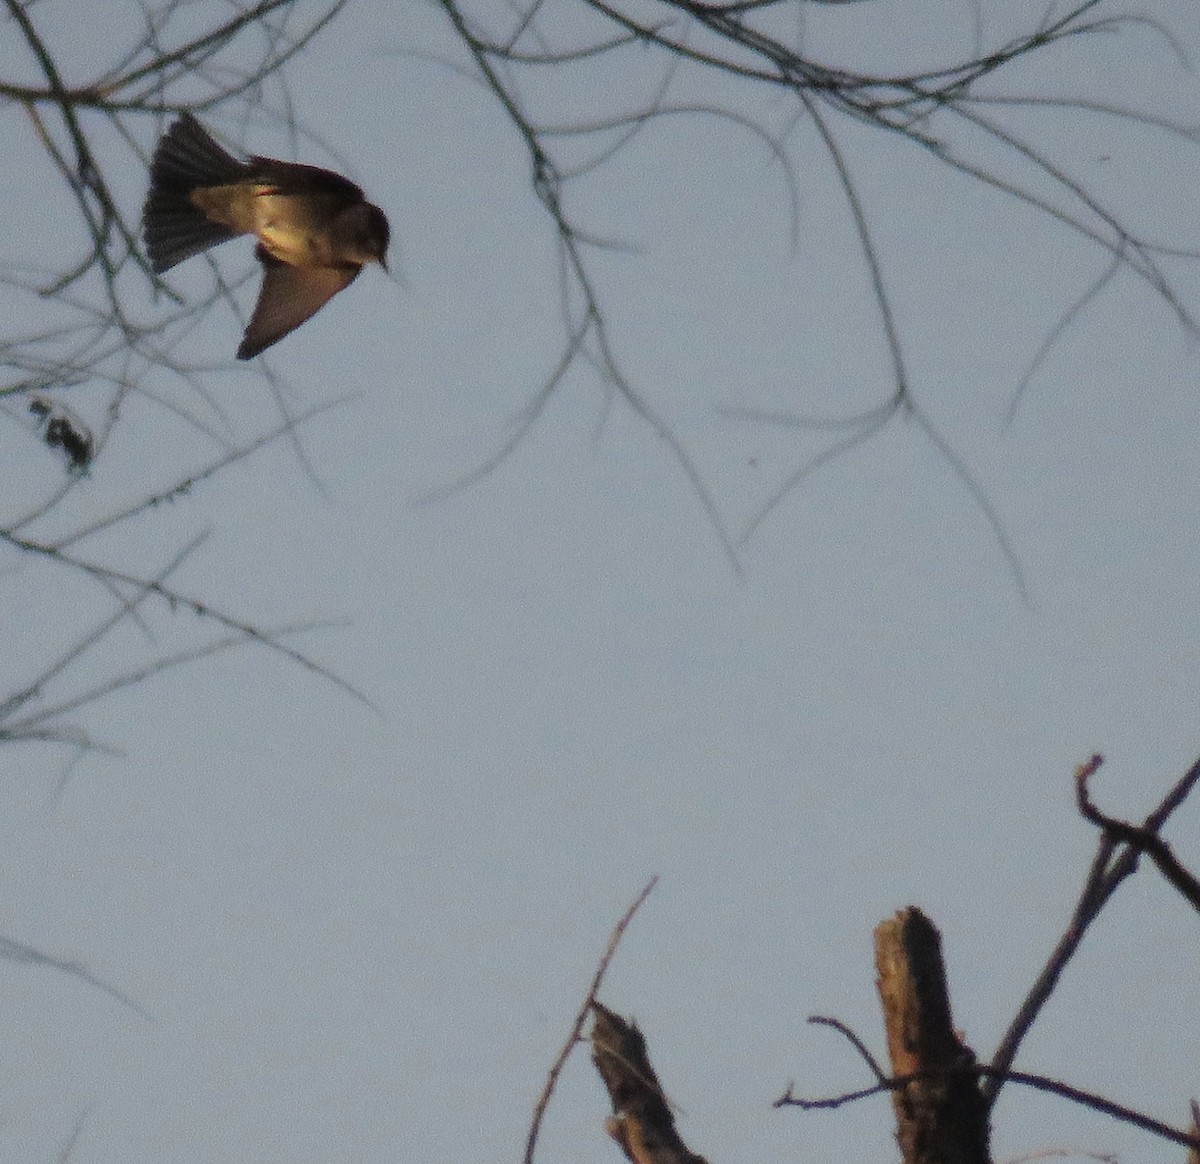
[{"x": 574, "y": 1037}]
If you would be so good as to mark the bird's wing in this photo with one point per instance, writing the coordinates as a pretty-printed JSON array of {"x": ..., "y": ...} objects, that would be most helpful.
[
  {"x": 288, "y": 297},
  {"x": 295, "y": 177}
]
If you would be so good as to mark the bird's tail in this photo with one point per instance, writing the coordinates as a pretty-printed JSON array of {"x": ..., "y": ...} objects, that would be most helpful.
[{"x": 186, "y": 158}]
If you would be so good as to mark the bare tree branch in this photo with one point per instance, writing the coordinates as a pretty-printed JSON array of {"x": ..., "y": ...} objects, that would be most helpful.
[
  {"x": 1110, "y": 866},
  {"x": 19, "y": 952},
  {"x": 573, "y": 1038},
  {"x": 1139, "y": 838},
  {"x": 986, "y": 1071},
  {"x": 954, "y": 115}
]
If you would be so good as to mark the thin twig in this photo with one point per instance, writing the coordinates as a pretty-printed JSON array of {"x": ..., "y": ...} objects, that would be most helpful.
[
  {"x": 574, "y": 1037},
  {"x": 1088, "y": 1099}
]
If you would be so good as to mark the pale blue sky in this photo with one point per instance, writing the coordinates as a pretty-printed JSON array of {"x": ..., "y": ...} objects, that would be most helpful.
[{"x": 362, "y": 937}]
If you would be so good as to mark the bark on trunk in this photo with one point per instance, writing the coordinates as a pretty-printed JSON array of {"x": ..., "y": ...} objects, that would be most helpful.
[
  {"x": 941, "y": 1118},
  {"x": 641, "y": 1122}
]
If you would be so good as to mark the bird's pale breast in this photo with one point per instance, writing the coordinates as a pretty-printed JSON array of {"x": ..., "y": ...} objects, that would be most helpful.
[{"x": 298, "y": 228}]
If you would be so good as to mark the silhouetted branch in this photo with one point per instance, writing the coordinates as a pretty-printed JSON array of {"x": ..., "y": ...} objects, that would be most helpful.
[
  {"x": 178, "y": 599},
  {"x": 22, "y": 954},
  {"x": 1110, "y": 866},
  {"x": 952, "y": 114},
  {"x": 588, "y": 332},
  {"x": 589, "y": 1003},
  {"x": 820, "y": 1020},
  {"x": 1139, "y": 838},
  {"x": 983, "y": 1071}
]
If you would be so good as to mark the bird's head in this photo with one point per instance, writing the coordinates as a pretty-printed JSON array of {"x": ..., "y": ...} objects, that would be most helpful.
[{"x": 375, "y": 234}]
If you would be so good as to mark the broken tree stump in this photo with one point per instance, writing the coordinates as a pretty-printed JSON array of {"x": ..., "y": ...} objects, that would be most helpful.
[
  {"x": 941, "y": 1117},
  {"x": 641, "y": 1123}
]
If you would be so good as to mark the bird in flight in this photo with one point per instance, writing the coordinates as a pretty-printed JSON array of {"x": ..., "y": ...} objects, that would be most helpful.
[{"x": 315, "y": 229}]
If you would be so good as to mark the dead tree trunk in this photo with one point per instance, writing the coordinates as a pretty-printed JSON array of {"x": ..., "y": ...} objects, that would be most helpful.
[
  {"x": 641, "y": 1123},
  {"x": 941, "y": 1117}
]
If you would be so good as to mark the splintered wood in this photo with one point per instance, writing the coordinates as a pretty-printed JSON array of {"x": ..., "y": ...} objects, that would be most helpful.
[
  {"x": 941, "y": 1117},
  {"x": 641, "y": 1122}
]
